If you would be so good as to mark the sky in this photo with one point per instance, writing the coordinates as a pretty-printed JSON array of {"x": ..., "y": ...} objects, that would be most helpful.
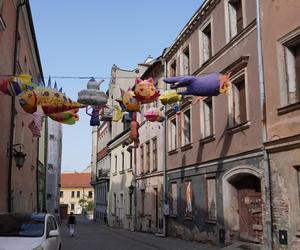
[{"x": 85, "y": 38}]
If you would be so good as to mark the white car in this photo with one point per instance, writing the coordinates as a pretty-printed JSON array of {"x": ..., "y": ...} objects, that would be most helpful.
[{"x": 29, "y": 231}]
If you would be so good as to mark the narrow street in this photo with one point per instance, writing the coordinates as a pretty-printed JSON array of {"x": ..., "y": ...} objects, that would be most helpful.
[{"x": 92, "y": 236}]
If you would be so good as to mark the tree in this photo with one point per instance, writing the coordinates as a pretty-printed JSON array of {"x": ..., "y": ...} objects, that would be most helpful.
[{"x": 86, "y": 205}]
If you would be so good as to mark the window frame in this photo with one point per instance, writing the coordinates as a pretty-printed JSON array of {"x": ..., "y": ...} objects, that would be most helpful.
[
  {"x": 173, "y": 209},
  {"x": 283, "y": 47},
  {"x": 232, "y": 120},
  {"x": 123, "y": 161},
  {"x": 170, "y": 129},
  {"x": 184, "y": 55},
  {"x": 78, "y": 194},
  {"x": 183, "y": 143},
  {"x": 148, "y": 157},
  {"x": 207, "y": 198},
  {"x": 72, "y": 194},
  {"x": 202, "y": 118},
  {"x": 142, "y": 158},
  {"x": 154, "y": 154},
  {"x": 207, "y": 23}
]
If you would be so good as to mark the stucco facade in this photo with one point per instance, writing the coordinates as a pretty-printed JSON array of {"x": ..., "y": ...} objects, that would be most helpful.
[
  {"x": 280, "y": 39},
  {"x": 214, "y": 144},
  {"x": 20, "y": 195}
]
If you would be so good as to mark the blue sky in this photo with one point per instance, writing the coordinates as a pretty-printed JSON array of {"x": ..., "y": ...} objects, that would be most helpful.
[{"x": 85, "y": 38}]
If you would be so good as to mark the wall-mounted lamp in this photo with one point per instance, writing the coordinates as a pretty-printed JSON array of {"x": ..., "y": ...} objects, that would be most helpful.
[
  {"x": 130, "y": 189},
  {"x": 18, "y": 154}
]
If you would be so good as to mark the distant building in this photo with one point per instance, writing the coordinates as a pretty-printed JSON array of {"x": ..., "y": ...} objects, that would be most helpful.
[
  {"x": 54, "y": 151},
  {"x": 77, "y": 192}
]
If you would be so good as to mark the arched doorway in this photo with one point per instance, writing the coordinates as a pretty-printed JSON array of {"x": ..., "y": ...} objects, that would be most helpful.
[{"x": 243, "y": 205}]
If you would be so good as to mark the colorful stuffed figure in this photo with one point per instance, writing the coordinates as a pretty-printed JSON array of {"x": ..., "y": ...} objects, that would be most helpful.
[
  {"x": 51, "y": 101},
  {"x": 37, "y": 122},
  {"x": 68, "y": 117},
  {"x": 145, "y": 91},
  {"x": 95, "y": 120},
  {"x": 209, "y": 85},
  {"x": 154, "y": 115},
  {"x": 16, "y": 85},
  {"x": 129, "y": 101},
  {"x": 93, "y": 95},
  {"x": 134, "y": 131},
  {"x": 170, "y": 97}
]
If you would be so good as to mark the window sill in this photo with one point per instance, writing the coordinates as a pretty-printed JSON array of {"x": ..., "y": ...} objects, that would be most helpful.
[
  {"x": 129, "y": 170},
  {"x": 187, "y": 147},
  {"x": 154, "y": 170},
  {"x": 114, "y": 174},
  {"x": 207, "y": 139},
  {"x": 173, "y": 216},
  {"x": 289, "y": 108},
  {"x": 122, "y": 172},
  {"x": 239, "y": 127},
  {"x": 172, "y": 152},
  {"x": 211, "y": 221},
  {"x": 188, "y": 218}
]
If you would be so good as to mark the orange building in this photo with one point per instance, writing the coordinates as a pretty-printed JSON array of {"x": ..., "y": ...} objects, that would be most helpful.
[{"x": 75, "y": 191}]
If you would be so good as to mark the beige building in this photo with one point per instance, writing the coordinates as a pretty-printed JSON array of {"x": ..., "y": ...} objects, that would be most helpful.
[{"x": 75, "y": 191}]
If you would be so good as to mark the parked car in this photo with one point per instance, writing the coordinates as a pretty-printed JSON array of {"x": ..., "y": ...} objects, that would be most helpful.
[{"x": 29, "y": 231}]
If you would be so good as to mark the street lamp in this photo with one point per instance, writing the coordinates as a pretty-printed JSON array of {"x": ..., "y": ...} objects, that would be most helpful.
[
  {"x": 130, "y": 189},
  {"x": 19, "y": 155}
]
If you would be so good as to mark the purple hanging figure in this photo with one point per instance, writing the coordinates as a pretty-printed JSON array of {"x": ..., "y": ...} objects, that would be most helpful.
[{"x": 94, "y": 121}]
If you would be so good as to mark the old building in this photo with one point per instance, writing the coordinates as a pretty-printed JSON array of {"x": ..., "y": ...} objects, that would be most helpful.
[
  {"x": 280, "y": 24},
  {"x": 215, "y": 177},
  {"x": 101, "y": 183},
  {"x": 77, "y": 192},
  {"x": 150, "y": 161},
  {"x": 120, "y": 198},
  {"x": 19, "y": 54}
]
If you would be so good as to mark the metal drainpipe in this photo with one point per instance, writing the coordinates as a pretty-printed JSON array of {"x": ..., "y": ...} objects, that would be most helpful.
[
  {"x": 266, "y": 164},
  {"x": 13, "y": 114}
]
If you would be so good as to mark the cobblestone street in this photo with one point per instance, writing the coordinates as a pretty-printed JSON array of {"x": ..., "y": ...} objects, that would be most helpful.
[{"x": 92, "y": 236}]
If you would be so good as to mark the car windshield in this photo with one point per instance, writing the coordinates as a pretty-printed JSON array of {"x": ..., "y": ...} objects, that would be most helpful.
[{"x": 22, "y": 225}]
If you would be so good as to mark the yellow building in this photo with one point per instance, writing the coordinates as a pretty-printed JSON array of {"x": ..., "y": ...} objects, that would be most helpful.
[{"x": 77, "y": 192}]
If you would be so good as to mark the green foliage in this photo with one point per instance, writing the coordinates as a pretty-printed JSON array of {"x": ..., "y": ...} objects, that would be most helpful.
[{"x": 87, "y": 205}]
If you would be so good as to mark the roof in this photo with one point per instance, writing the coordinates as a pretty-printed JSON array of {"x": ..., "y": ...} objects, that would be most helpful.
[{"x": 75, "y": 180}]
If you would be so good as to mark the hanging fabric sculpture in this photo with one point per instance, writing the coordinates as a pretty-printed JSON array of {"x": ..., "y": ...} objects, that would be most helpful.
[
  {"x": 129, "y": 101},
  {"x": 209, "y": 85},
  {"x": 68, "y": 117},
  {"x": 13, "y": 86},
  {"x": 145, "y": 91},
  {"x": 154, "y": 115},
  {"x": 95, "y": 99},
  {"x": 117, "y": 114},
  {"x": 134, "y": 131},
  {"x": 170, "y": 97},
  {"x": 37, "y": 122}
]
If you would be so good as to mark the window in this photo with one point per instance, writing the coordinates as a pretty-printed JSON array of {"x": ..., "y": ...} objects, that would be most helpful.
[
  {"x": 188, "y": 211},
  {"x": 142, "y": 202},
  {"x": 235, "y": 13},
  {"x": 90, "y": 194},
  {"x": 186, "y": 61},
  {"x": 172, "y": 134},
  {"x": 72, "y": 206},
  {"x": 116, "y": 164},
  {"x": 78, "y": 194},
  {"x": 130, "y": 164},
  {"x": 173, "y": 202},
  {"x": 206, "y": 42},
  {"x": 73, "y": 194},
  {"x": 115, "y": 203},
  {"x": 147, "y": 168},
  {"x": 2, "y": 23},
  {"x": 238, "y": 101},
  {"x": 154, "y": 151},
  {"x": 123, "y": 161},
  {"x": 51, "y": 137},
  {"x": 292, "y": 70},
  {"x": 207, "y": 117},
  {"x": 211, "y": 199},
  {"x": 61, "y": 194},
  {"x": 173, "y": 69},
  {"x": 142, "y": 158},
  {"x": 186, "y": 127}
]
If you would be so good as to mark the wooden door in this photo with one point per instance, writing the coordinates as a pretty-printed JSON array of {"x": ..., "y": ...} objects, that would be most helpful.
[{"x": 250, "y": 210}]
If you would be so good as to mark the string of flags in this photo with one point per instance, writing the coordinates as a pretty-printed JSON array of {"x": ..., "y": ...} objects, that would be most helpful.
[{"x": 41, "y": 101}]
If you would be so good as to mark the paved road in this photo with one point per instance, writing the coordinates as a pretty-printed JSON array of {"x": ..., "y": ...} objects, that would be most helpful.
[{"x": 93, "y": 236}]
